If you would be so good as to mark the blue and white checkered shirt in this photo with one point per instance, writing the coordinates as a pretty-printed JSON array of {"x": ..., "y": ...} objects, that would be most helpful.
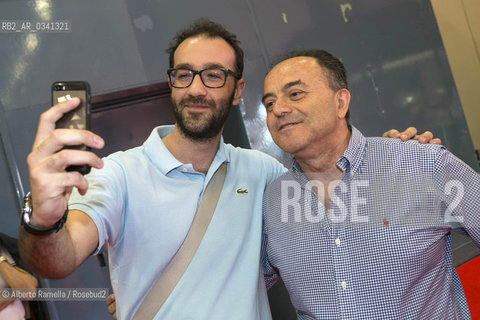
[{"x": 382, "y": 250}]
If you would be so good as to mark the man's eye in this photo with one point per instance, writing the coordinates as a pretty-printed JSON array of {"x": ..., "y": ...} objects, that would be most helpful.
[
  {"x": 214, "y": 75},
  {"x": 182, "y": 75},
  {"x": 295, "y": 95},
  {"x": 269, "y": 104}
]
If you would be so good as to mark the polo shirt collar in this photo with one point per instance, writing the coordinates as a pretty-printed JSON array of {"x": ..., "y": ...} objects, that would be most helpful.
[{"x": 158, "y": 153}]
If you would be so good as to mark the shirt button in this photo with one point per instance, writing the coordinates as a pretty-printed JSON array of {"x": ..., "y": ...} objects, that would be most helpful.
[
  {"x": 351, "y": 173},
  {"x": 343, "y": 284},
  {"x": 337, "y": 242},
  {"x": 185, "y": 170}
]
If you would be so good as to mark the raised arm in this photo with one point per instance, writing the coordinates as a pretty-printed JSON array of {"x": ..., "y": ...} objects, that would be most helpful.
[{"x": 57, "y": 254}]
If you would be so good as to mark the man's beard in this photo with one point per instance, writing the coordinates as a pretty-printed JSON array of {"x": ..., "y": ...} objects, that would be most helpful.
[{"x": 197, "y": 126}]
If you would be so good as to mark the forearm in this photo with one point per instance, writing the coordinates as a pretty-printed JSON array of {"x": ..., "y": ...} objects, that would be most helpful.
[
  {"x": 50, "y": 256},
  {"x": 16, "y": 277},
  {"x": 56, "y": 255}
]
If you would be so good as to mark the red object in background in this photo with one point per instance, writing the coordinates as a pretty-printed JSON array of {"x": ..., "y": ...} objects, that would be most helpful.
[{"x": 469, "y": 274}]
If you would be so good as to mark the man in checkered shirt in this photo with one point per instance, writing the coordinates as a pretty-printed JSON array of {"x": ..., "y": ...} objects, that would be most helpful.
[{"x": 359, "y": 228}]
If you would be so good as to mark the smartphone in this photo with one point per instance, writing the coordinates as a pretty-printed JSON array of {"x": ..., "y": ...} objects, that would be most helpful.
[{"x": 78, "y": 118}]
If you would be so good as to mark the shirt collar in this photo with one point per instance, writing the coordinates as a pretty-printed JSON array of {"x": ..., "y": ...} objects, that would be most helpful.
[
  {"x": 164, "y": 160},
  {"x": 351, "y": 159}
]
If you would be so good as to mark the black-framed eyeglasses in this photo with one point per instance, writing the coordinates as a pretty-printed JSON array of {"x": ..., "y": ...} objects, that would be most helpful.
[{"x": 211, "y": 77}]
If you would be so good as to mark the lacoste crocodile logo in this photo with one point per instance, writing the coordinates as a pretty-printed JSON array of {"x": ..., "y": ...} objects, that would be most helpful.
[{"x": 240, "y": 190}]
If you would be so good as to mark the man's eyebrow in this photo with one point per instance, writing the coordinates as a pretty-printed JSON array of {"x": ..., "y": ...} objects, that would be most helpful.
[
  {"x": 212, "y": 65},
  {"x": 267, "y": 95},
  {"x": 183, "y": 66},
  {"x": 285, "y": 88},
  {"x": 293, "y": 83},
  {"x": 205, "y": 66}
]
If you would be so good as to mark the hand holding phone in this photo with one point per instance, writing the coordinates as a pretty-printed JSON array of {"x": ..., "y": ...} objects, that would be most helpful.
[
  {"x": 78, "y": 118},
  {"x": 50, "y": 184}
]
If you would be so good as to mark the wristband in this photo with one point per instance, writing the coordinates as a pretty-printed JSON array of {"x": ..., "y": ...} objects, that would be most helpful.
[{"x": 27, "y": 218}]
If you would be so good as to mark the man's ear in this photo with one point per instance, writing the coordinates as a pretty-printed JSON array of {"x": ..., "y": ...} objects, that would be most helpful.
[
  {"x": 169, "y": 83},
  {"x": 239, "y": 87},
  {"x": 343, "y": 101}
]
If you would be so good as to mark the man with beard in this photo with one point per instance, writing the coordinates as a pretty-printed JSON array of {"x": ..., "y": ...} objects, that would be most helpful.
[{"x": 142, "y": 201}]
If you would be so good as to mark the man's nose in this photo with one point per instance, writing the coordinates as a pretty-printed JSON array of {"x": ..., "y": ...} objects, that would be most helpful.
[
  {"x": 197, "y": 88},
  {"x": 281, "y": 108}
]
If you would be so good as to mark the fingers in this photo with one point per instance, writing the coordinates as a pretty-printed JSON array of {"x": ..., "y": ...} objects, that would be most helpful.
[
  {"x": 112, "y": 309},
  {"x": 58, "y": 162},
  {"x": 50, "y": 193},
  {"x": 425, "y": 137},
  {"x": 62, "y": 137},
  {"x": 392, "y": 133},
  {"x": 51, "y": 185},
  {"x": 411, "y": 133},
  {"x": 48, "y": 141},
  {"x": 48, "y": 119},
  {"x": 50, "y": 175},
  {"x": 112, "y": 306},
  {"x": 48, "y": 186},
  {"x": 408, "y": 134},
  {"x": 45, "y": 153},
  {"x": 56, "y": 139},
  {"x": 110, "y": 299}
]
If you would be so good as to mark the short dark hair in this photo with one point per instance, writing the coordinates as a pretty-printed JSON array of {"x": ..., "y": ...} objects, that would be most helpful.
[
  {"x": 336, "y": 73},
  {"x": 209, "y": 29}
]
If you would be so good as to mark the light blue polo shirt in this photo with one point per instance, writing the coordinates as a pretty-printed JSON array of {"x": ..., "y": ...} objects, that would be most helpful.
[{"x": 143, "y": 202}]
